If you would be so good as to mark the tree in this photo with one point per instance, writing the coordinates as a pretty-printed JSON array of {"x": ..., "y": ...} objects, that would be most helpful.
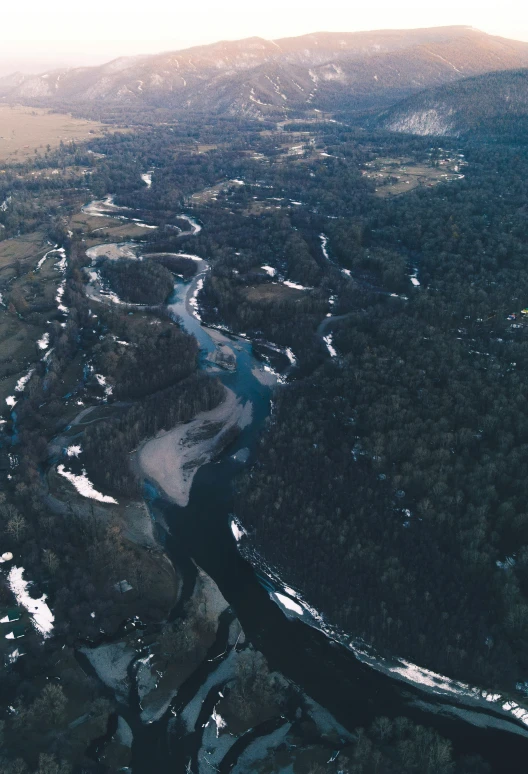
[
  {"x": 16, "y": 526},
  {"x": 50, "y": 560},
  {"x": 48, "y": 764}
]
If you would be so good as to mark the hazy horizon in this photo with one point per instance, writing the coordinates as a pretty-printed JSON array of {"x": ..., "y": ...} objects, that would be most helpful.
[{"x": 35, "y": 38}]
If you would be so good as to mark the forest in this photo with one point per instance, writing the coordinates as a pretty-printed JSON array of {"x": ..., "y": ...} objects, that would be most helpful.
[
  {"x": 138, "y": 282},
  {"x": 389, "y": 485}
]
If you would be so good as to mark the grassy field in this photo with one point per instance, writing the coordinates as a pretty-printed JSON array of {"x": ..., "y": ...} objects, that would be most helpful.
[
  {"x": 96, "y": 230},
  {"x": 21, "y": 248},
  {"x": 272, "y": 292},
  {"x": 399, "y": 175},
  {"x": 23, "y": 129}
]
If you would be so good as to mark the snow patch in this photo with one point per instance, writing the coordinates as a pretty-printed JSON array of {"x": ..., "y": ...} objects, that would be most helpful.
[
  {"x": 84, "y": 486},
  {"x": 328, "y": 341},
  {"x": 295, "y": 285},
  {"x": 288, "y": 603},
  {"x": 21, "y": 384},
  {"x": 43, "y": 343},
  {"x": 147, "y": 178},
  {"x": 237, "y": 530},
  {"x": 38, "y": 609}
]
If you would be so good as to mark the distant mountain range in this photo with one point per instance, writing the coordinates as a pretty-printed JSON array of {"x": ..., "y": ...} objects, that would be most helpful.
[
  {"x": 492, "y": 105},
  {"x": 257, "y": 77}
]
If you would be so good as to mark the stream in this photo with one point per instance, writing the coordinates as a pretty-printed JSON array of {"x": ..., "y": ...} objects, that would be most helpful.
[{"x": 354, "y": 692}]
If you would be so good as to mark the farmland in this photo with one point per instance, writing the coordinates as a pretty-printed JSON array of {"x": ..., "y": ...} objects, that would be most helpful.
[{"x": 24, "y": 130}]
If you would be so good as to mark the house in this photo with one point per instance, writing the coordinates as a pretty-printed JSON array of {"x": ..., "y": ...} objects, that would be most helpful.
[
  {"x": 18, "y": 631},
  {"x": 10, "y": 615}
]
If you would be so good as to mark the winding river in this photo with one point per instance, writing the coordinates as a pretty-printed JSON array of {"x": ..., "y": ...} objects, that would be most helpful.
[{"x": 354, "y": 692}]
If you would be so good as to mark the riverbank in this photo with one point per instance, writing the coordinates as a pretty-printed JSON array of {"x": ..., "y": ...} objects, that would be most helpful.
[
  {"x": 172, "y": 458},
  {"x": 435, "y": 692}
]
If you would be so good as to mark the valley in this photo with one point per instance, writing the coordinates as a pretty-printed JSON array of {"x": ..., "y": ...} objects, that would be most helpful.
[{"x": 262, "y": 446}]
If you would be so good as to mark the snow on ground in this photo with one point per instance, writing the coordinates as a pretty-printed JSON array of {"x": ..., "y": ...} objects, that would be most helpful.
[
  {"x": 193, "y": 301},
  {"x": 295, "y": 285},
  {"x": 346, "y": 272},
  {"x": 195, "y": 227},
  {"x": 43, "y": 343},
  {"x": 61, "y": 265},
  {"x": 74, "y": 451},
  {"x": 237, "y": 530},
  {"x": 39, "y": 264},
  {"x": 289, "y": 354},
  {"x": 21, "y": 384},
  {"x": 286, "y": 602},
  {"x": 14, "y": 656},
  {"x": 190, "y": 256},
  {"x": 269, "y": 270},
  {"x": 398, "y": 668},
  {"x": 58, "y": 297},
  {"x": 219, "y": 721},
  {"x": 147, "y": 178},
  {"x": 324, "y": 242},
  {"x": 38, "y": 609},
  {"x": 102, "y": 381},
  {"x": 414, "y": 278},
  {"x": 328, "y": 341},
  {"x": 11, "y": 401},
  {"x": 84, "y": 486}
]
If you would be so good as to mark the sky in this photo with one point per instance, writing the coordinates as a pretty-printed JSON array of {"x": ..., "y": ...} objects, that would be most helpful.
[{"x": 35, "y": 35}]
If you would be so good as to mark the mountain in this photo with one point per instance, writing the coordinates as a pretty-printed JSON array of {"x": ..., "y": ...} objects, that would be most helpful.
[
  {"x": 257, "y": 77},
  {"x": 491, "y": 105}
]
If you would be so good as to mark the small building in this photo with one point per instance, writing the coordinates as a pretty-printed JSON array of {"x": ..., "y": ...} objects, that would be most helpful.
[
  {"x": 18, "y": 631},
  {"x": 123, "y": 586},
  {"x": 10, "y": 615}
]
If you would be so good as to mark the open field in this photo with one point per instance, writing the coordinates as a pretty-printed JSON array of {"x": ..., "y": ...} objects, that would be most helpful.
[
  {"x": 23, "y": 129},
  {"x": 97, "y": 229},
  {"x": 272, "y": 292},
  {"x": 399, "y": 175},
  {"x": 20, "y": 248}
]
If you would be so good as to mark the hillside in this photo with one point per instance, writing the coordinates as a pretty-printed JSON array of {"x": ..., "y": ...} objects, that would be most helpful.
[
  {"x": 256, "y": 77},
  {"x": 491, "y": 105}
]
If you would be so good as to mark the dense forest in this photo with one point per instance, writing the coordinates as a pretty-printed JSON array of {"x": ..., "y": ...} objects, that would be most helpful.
[
  {"x": 389, "y": 485},
  {"x": 400, "y": 465},
  {"x": 138, "y": 282}
]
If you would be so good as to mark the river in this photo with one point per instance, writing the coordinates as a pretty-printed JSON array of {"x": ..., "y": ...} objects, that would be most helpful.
[{"x": 354, "y": 692}]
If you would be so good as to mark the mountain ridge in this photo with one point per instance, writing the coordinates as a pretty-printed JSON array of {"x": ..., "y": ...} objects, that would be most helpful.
[
  {"x": 256, "y": 77},
  {"x": 492, "y": 105}
]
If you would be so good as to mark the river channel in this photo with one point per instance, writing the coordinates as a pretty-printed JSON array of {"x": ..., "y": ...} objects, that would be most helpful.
[{"x": 354, "y": 692}]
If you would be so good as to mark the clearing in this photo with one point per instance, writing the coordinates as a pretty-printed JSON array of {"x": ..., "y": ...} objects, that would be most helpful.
[
  {"x": 24, "y": 129},
  {"x": 398, "y": 175}
]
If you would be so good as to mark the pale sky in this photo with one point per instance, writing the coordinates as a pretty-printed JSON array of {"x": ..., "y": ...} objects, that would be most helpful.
[{"x": 47, "y": 33}]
